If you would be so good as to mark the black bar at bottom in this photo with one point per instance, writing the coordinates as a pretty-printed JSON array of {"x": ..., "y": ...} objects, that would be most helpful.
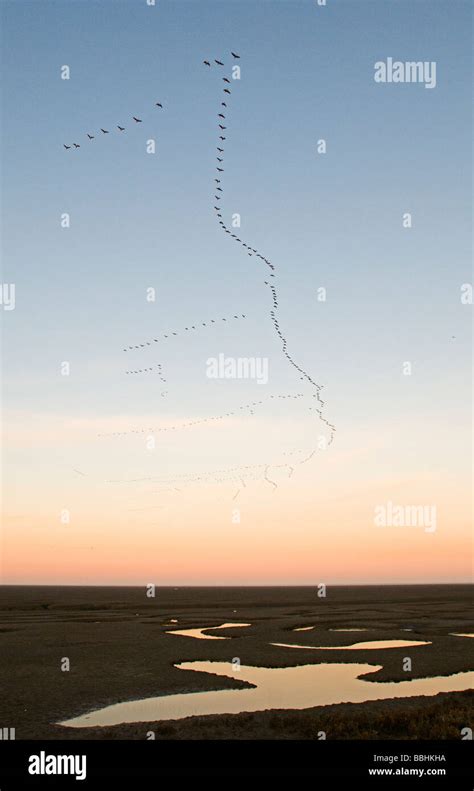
[{"x": 380, "y": 764}]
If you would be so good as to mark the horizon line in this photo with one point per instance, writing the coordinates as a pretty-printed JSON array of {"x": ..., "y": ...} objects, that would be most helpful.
[{"x": 275, "y": 585}]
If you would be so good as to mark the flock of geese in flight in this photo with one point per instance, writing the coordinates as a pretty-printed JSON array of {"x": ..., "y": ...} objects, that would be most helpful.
[
  {"x": 253, "y": 251},
  {"x": 250, "y": 407},
  {"x": 107, "y": 131},
  {"x": 240, "y": 474},
  {"x": 187, "y": 479},
  {"x": 170, "y": 334},
  {"x": 157, "y": 367},
  {"x": 243, "y": 471}
]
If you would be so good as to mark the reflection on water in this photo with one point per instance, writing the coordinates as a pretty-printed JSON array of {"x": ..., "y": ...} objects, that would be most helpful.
[
  {"x": 198, "y": 633},
  {"x": 358, "y": 646},
  {"x": 462, "y": 634},
  {"x": 348, "y": 630},
  {"x": 308, "y": 628},
  {"x": 277, "y": 688}
]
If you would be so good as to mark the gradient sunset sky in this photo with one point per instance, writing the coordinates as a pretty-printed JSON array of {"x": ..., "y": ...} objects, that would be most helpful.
[{"x": 170, "y": 515}]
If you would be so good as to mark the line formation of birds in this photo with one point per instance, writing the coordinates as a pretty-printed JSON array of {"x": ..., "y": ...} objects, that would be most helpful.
[
  {"x": 118, "y": 127},
  {"x": 242, "y": 469},
  {"x": 158, "y": 368},
  {"x": 251, "y": 251},
  {"x": 186, "y": 475},
  {"x": 186, "y": 329},
  {"x": 250, "y": 407},
  {"x": 239, "y": 474}
]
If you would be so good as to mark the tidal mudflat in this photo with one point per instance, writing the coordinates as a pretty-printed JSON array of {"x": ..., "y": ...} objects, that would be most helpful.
[
  {"x": 119, "y": 649},
  {"x": 291, "y": 688}
]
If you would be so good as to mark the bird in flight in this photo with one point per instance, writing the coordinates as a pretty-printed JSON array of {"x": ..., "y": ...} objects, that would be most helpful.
[
  {"x": 105, "y": 131},
  {"x": 221, "y": 115},
  {"x": 137, "y": 120},
  {"x": 222, "y": 138},
  {"x": 206, "y": 63},
  {"x": 234, "y": 55},
  {"x": 221, "y": 170},
  {"x": 219, "y": 159},
  {"x": 122, "y": 128},
  {"x": 226, "y": 90},
  {"x": 91, "y": 137},
  {"x": 219, "y": 62},
  {"x": 76, "y": 145},
  {"x": 220, "y": 149},
  {"x": 65, "y": 146},
  {"x": 223, "y": 104},
  {"x": 222, "y": 127},
  {"x": 158, "y": 104},
  {"x": 226, "y": 80}
]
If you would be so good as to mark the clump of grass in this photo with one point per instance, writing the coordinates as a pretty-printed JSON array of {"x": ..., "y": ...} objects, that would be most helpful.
[{"x": 443, "y": 719}]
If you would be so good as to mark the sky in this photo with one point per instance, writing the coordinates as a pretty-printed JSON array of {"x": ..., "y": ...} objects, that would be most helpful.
[{"x": 271, "y": 494}]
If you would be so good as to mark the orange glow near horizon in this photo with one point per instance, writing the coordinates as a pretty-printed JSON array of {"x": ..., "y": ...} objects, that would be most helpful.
[{"x": 288, "y": 536}]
